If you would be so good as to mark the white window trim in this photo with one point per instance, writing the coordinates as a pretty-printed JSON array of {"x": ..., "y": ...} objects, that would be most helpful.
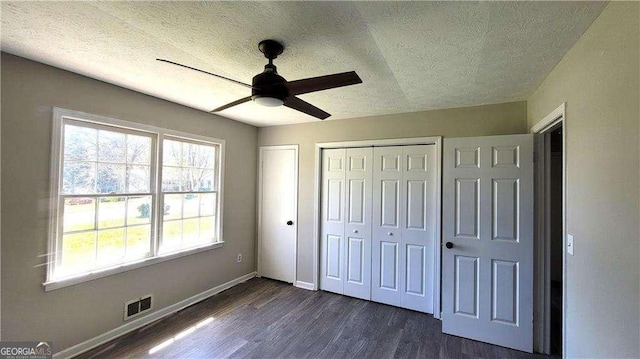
[{"x": 56, "y": 165}]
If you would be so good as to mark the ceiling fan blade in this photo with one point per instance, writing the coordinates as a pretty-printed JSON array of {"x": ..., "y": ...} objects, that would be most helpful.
[
  {"x": 303, "y": 106},
  {"x": 299, "y": 87},
  {"x": 205, "y": 72},
  {"x": 231, "y": 104}
]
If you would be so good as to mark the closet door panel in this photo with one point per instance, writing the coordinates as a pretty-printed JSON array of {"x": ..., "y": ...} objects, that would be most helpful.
[
  {"x": 418, "y": 190},
  {"x": 387, "y": 216},
  {"x": 357, "y": 228},
  {"x": 332, "y": 243}
]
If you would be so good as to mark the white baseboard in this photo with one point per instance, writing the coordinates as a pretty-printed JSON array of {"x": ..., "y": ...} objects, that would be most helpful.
[
  {"x": 304, "y": 285},
  {"x": 151, "y": 317}
]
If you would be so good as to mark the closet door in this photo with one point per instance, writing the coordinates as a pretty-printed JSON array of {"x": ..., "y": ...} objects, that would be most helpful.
[
  {"x": 357, "y": 229},
  {"x": 418, "y": 223},
  {"x": 333, "y": 221},
  {"x": 404, "y": 228},
  {"x": 387, "y": 216}
]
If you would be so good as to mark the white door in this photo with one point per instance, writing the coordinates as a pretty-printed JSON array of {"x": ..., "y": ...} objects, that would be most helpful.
[
  {"x": 404, "y": 226},
  {"x": 346, "y": 222},
  {"x": 332, "y": 233},
  {"x": 487, "y": 273},
  {"x": 419, "y": 227},
  {"x": 357, "y": 229},
  {"x": 387, "y": 215},
  {"x": 278, "y": 217}
]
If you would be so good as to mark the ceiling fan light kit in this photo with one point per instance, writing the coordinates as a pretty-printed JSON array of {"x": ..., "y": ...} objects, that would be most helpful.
[
  {"x": 271, "y": 90},
  {"x": 267, "y": 101}
]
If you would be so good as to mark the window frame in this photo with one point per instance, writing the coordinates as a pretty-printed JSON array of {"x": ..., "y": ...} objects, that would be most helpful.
[{"x": 157, "y": 135}]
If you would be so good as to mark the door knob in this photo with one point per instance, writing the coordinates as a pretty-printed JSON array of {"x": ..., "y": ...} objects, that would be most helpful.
[
  {"x": 289, "y": 223},
  {"x": 390, "y": 233},
  {"x": 449, "y": 245},
  {"x": 355, "y": 231}
]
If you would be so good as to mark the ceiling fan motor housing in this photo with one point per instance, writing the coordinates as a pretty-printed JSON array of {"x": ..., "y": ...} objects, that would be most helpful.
[{"x": 269, "y": 84}]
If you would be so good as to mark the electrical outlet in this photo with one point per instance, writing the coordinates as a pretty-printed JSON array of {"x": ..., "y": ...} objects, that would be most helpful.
[
  {"x": 570, "y": 243},
  {"x": 239, "y": 257}
]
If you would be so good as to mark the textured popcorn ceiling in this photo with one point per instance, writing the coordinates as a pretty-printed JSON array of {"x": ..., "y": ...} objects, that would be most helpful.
[{"x": 411, "y": 56}]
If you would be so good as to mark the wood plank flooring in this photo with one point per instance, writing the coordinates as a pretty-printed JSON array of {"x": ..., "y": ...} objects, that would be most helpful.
[{"x": 262, "y": 318}]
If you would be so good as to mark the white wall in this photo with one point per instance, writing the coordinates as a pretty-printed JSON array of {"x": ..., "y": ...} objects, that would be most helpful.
[
  {"x": 500, "y": 119},
  {"x": 598, "y": 79},
  {"x": 70, "y": 315}
]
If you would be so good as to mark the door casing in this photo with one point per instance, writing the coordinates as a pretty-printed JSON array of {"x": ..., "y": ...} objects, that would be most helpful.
[{"x": 435, "y": 140}]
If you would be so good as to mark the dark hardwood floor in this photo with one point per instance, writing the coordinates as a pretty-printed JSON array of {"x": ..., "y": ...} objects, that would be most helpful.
[{"x": 263, "y": 318}]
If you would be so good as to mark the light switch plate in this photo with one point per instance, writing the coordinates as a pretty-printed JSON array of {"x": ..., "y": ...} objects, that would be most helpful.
[{"x": 570, "y": 243}]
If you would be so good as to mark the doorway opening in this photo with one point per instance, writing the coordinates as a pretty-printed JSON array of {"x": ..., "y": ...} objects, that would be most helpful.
[
  {"x": 555, "y": 237},
  {"x": 550, "y": 257}
]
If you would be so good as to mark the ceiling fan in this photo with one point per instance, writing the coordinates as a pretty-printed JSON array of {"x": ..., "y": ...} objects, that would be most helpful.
[{"x": 270, "y": 89}]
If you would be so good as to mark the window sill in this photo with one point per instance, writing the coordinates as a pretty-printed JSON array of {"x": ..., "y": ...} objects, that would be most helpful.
[{"x": 66, "y": 282}]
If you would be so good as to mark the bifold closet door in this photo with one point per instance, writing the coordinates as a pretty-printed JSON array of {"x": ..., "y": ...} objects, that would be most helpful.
[
  {"x": 346, "y": 221},
  {"x": 357, "y": 228},
  {"x": 333, "y": 178},
  {"x": 404, "y": 228}
]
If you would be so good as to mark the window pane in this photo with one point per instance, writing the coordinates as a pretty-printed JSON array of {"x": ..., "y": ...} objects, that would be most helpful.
[
  {"x": 78, "y": 252},
  {"x": 138, "y": 241},
  {"x": 111, "y": 212},
  {"x": 207, "y": 204},
  {"x": 191, "y": 205},
  {"x": 190, "y": 155},
  {"x": 139, "y": 210},
  {"x": 189, "y": 182},
  {"x": 80, "y": 143},
  {"x": 199, "y": 156},
  {"x": 79, "y": 214},
  {"x": 78, "y": 177},
  {"x": 171, "y": 234},
  {"x": 172, "y": 206},
  {"x": 205, "y": 180},
  {"x": 171, "y": 179},
  {"x": 190, "y": 231},
  {"x": 207, "y": 228},
  {"x": 197, "y": 179},
  {"x": 207, "y": 156},
  {"x": 138, "y": 149},
  {"x": 172, "y": 153},
  {"x": 110, "y": 178},
  {"x": 111, "y": 146},
  {"x": 138, "y": 179},
  {"x": 197, "y": 164},
  {"x": 110, "y": 245}
]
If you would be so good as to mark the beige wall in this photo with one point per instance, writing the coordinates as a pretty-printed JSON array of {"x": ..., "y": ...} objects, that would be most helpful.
[
  {"x": 598, "y": 79},
  {"x": 508, "y": 118},
  {"x": 73, "y": 314}
]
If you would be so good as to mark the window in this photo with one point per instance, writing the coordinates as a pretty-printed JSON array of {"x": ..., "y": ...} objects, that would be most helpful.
[
  {"x": 126, "y": 194},
  {"x": 189, "y": 193}
]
